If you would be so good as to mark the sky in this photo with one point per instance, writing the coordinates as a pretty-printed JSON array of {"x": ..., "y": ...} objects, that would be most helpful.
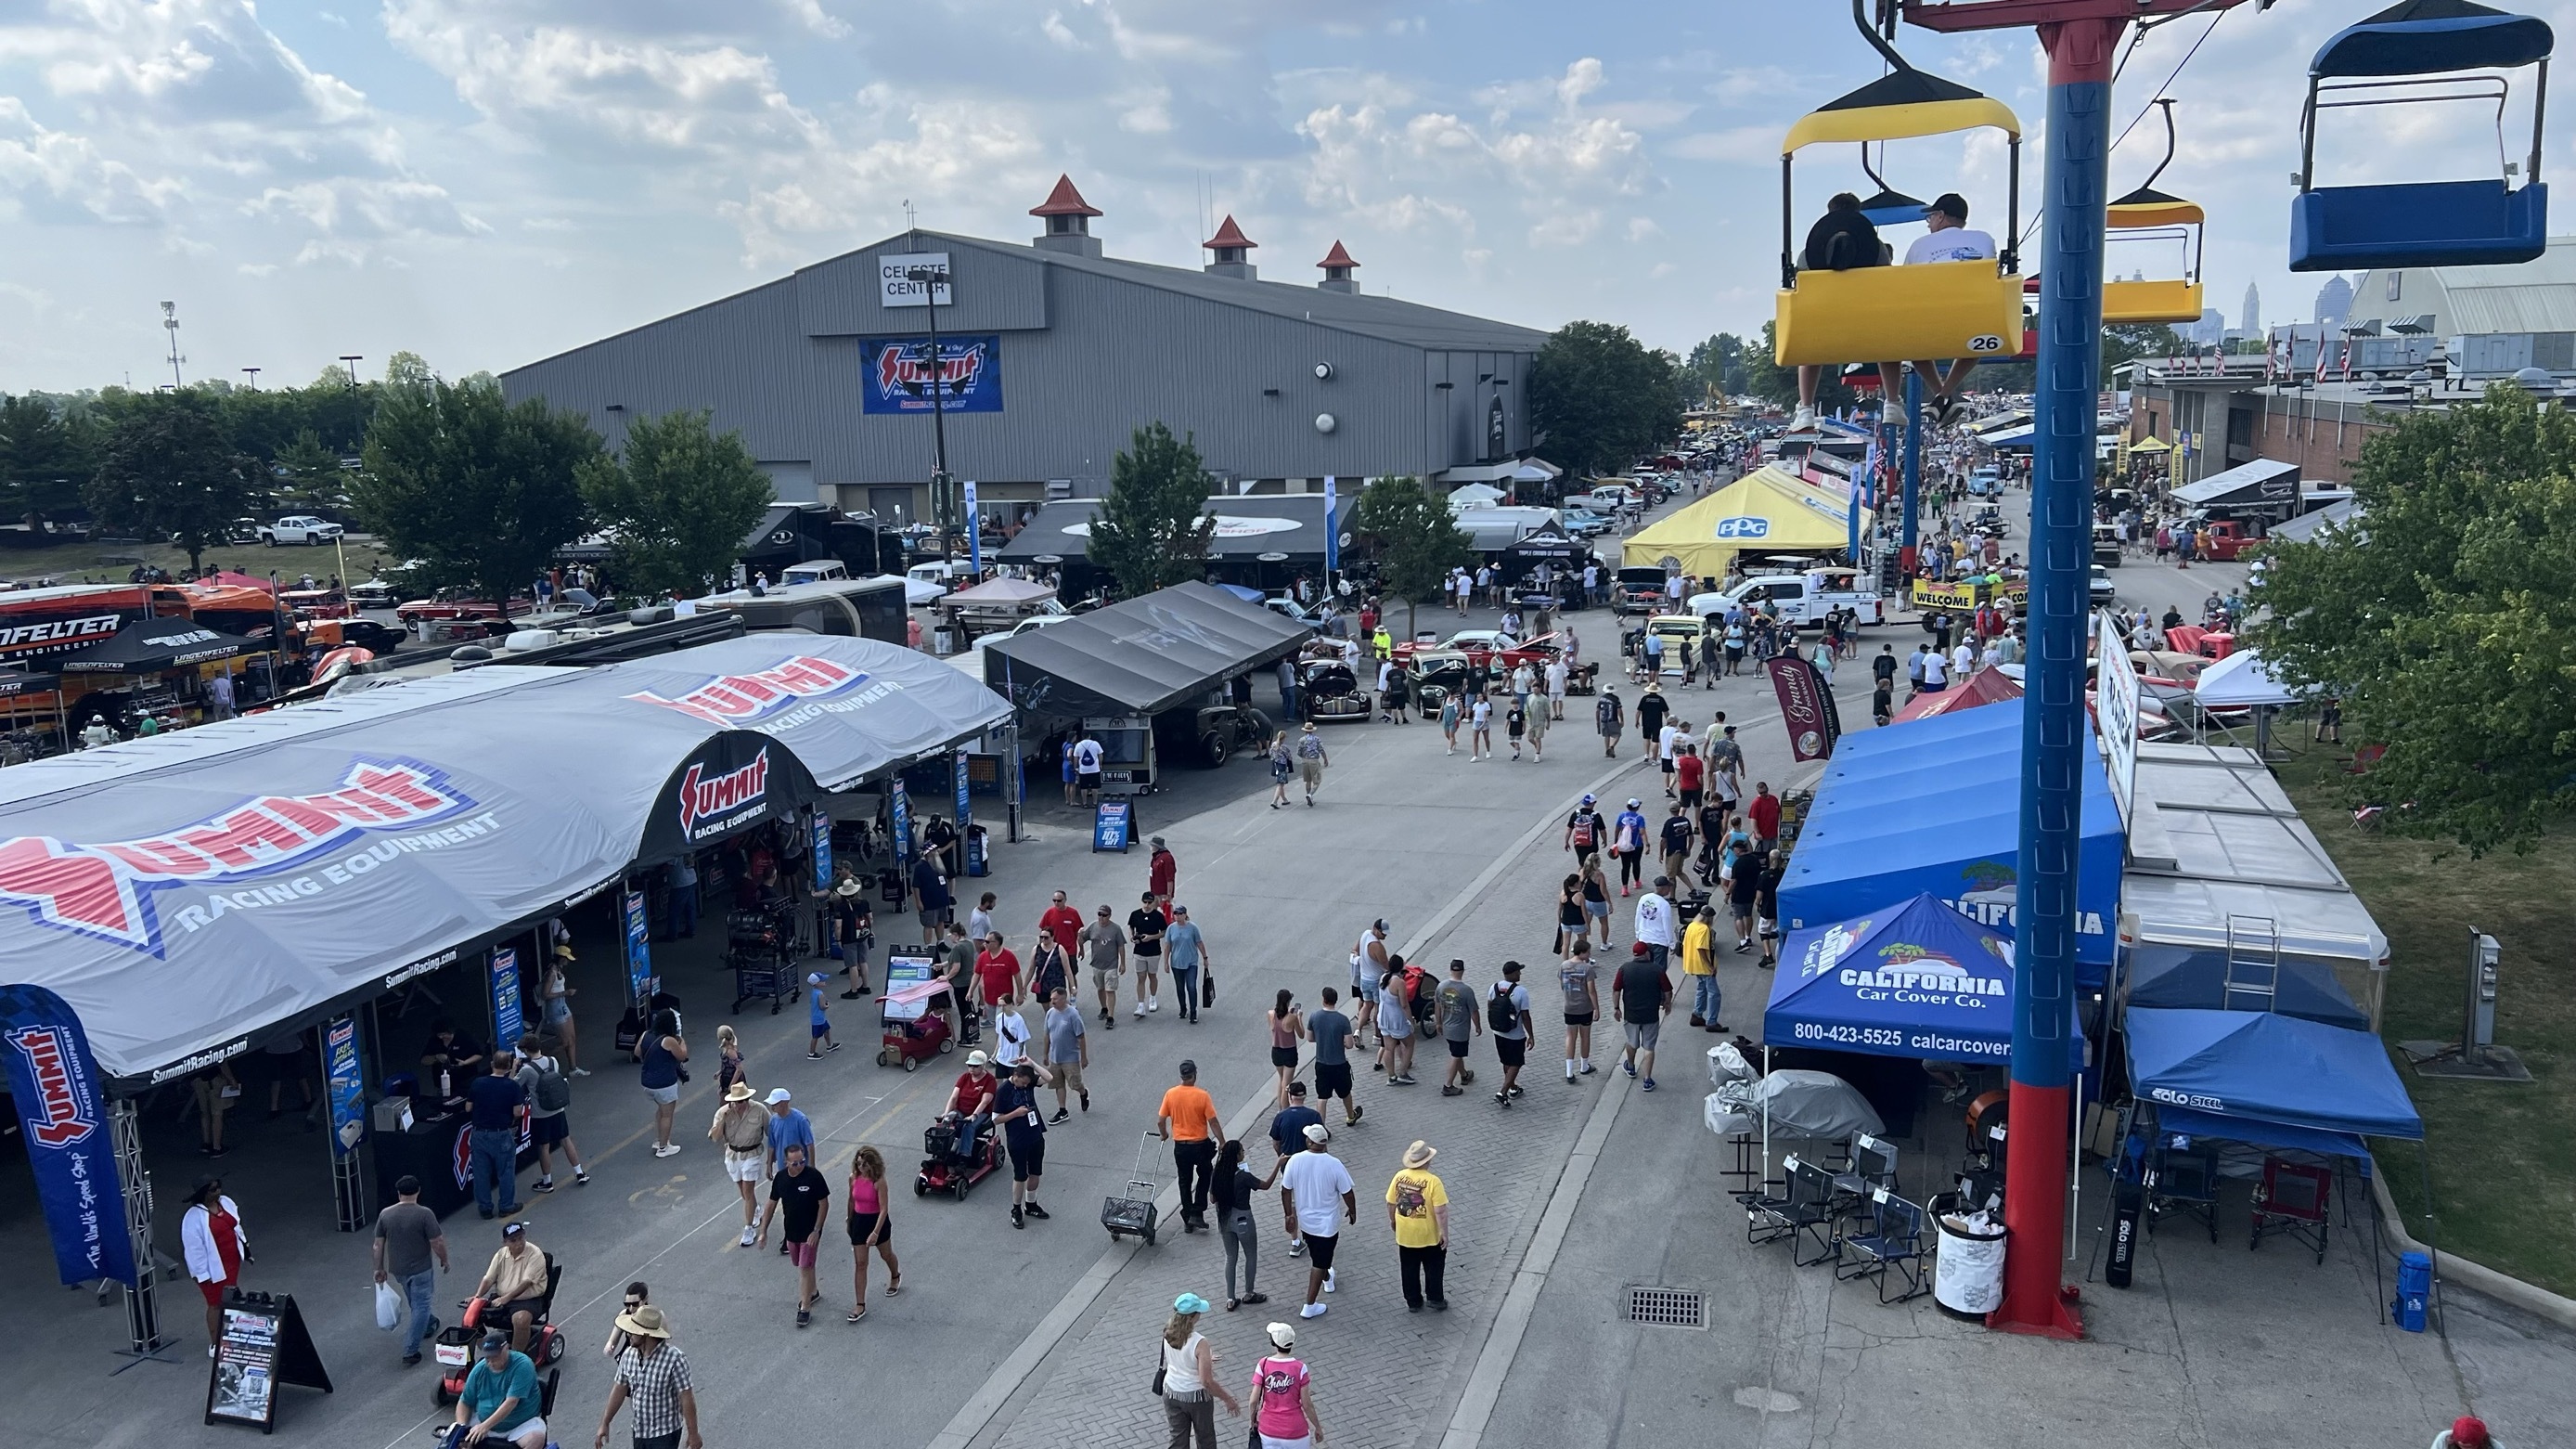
[{"x": 487, "y": 182}]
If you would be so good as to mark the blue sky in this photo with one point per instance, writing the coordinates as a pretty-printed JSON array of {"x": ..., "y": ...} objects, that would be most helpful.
[{"x": 489, "y": 181}]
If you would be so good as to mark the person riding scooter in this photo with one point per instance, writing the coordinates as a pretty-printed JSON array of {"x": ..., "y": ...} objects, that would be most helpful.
[
  {"x": 514, "y": 1286},
  {"x": 500, "y": 1402},
  {"x": 972, "y": 1104}
]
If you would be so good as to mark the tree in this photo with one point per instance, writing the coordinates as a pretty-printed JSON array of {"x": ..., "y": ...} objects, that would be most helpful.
[
  {"x": 678, "y": 502},
  {"x": 1601, "y": 399},
  {"x": 1418, "y": 540},
  {"x": 1154, "y": 526},
  {"x": 2444, "y": 621},
  {"x": 309, "y": 475},
  {"x": 171, "y": 472},
  {"x": 41, "y": 461},
  {"x": 479, "y": 491},
  {"x": 1776, "y": 384},
  {"x": 1717, "y": 366}
]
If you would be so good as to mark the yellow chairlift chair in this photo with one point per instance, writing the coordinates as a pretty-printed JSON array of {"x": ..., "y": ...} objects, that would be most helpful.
[
  {"x": 2148, "y": 214},
  {"x": 1895, "y": 313}
]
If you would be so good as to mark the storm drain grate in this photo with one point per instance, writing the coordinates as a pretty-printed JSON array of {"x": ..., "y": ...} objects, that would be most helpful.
[{"x": 1668, "y": 1307}]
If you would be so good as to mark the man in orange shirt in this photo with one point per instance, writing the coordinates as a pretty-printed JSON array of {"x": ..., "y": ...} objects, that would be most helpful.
[{"x": 1188, "y": 1121}]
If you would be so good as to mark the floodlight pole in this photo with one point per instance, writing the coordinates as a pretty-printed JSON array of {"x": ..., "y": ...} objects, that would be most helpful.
[{"x": 1913, "y": 470}]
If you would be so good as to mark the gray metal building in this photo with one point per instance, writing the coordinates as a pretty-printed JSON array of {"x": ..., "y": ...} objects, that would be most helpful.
[{"x": 1057, "y": 354}]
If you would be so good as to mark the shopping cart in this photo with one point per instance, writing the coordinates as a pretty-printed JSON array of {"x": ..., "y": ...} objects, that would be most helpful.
[{"x": 1135, "y": 1212}]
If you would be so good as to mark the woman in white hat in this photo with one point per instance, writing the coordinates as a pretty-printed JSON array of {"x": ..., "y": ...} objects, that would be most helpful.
[
  {"x": 1187, "y": 1379},
  {"x": 1285, "y": 1395}
]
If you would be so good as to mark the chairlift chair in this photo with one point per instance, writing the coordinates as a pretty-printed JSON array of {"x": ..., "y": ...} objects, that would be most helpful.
[
  {"x": 2147, "y": 214},
  {"x": 1895, "y": 313},
  {"x": 2423, "y": 50}
]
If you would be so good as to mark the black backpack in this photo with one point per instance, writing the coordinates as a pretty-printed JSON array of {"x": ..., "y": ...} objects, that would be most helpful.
[{"x": 1500, "y": 1012}]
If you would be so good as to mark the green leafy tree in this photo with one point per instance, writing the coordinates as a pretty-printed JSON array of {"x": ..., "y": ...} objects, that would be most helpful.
[
  {"x": 1716, "y": 367},
  {"x": 42, "y": 460},
  {"x": 1417, "y": 539},
  {"x": 678, "y": 500},
  {"x": 1778, "y": 384},
  {"x": 1154, "y": 526},
  {"x": 170, "y": 471},
  {"x": 309, "y": 476},
  {"x": 1602, "y": 399},
  {"x": 2444, "y": 620},
  {"x": 482, "y": 493}
]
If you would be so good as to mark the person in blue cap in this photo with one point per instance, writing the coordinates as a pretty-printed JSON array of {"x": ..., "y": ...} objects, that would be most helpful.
[{"x": 1187, "y": 1379}]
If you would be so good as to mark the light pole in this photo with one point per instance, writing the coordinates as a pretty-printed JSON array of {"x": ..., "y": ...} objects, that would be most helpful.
[
  {"x": 353, "y": 359},
  {"x": 170, "y": 324},
  {"x": 254, "y": 377},
  {"x": 931, "y": 278}
]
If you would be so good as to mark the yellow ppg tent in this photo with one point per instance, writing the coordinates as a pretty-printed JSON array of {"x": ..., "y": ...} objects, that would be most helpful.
[{"x": 1765, "y": 511}]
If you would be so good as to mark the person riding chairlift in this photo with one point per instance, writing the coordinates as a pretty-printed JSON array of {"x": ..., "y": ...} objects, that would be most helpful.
[{"x": 1843, "y": 240}]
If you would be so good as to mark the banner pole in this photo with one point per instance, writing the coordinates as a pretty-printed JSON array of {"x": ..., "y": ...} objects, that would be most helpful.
[{"x": 142, "y": 1299}]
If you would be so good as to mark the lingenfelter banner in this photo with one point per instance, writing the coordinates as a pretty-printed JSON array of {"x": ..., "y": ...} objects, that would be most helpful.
[
  {"x": 62, "y": 1113},
  {"x": 1806, "y": 708}
]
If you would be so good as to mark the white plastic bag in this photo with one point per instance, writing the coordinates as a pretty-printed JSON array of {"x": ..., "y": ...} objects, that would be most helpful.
[{"x": 389, "y": 1307}]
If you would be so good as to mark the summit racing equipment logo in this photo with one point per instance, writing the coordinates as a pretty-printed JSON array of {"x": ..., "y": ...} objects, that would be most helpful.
[
  {"x": 106, "y": 889},
  {"x": 57, "y": 1117},
  {"x": 705, "y": 797},
  {"x": 733, "y": 700}
]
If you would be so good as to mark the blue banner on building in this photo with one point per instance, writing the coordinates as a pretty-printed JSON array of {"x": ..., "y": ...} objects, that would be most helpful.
[
  {"x": 974, "y": 533},
  {"x": 897, "y": 374},
  {"x": 899, "y": 811},
  {"x": 62, "y": 1111},
  {"x": 346, "y": 1081},
  {"x": 820, "y": 821},
  {"x": 639, "y": 948},
  {"x": 508, "y": 1021}
]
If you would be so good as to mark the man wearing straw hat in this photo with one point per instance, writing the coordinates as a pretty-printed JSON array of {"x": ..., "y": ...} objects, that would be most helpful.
[
  {"x": 653, "y": 1375},
  {"x": 1417, "y": 1208}
]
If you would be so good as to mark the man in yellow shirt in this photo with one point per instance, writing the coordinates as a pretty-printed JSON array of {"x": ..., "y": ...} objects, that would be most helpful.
[
  {"x": 1699, "y": 965},
  {"x": 1417, "y": 1207}
]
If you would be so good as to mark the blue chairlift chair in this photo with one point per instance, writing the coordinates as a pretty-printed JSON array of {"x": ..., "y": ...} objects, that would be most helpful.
[
  {"x": 1893, "y": 1242},
  {"x": 2420, "y": 51}
]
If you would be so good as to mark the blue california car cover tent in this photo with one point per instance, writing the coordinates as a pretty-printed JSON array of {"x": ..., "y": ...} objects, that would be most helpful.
[
  {"x": 1934, "y": 805},
  {"x": 1914, "y": 980},
  {"x": 2255, "y": 1076}
]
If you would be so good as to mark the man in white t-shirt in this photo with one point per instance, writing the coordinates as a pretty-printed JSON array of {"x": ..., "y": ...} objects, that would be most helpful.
[
  {"x": 1947, "y": 238},
  {"x": 1936, "y": 672},
  {"x": 1087, "y": 759},
  {"x": 1962, "y": 659},
  {"x": 1308, "y": 1183}
]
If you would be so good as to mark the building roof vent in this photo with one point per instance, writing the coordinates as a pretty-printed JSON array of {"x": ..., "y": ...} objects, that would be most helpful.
[
  {"x": 1068, "y": 221},
  {"x": 1233, "y": 252},
  {"x": 1338, "y": 266}
]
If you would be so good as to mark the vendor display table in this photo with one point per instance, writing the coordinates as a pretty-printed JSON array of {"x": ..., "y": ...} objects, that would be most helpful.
[{"x": 433, "y": 1150}]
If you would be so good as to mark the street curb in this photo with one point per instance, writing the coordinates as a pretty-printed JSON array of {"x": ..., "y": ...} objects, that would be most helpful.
[
  {"x": 2531, "y": 1298},
  {"x": 976, "y": 1416},
  {"x": 1520, "y": 1302}
]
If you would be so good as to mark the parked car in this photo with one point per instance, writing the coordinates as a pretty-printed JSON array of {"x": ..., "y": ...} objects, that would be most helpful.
[
  {"x": 301, "y": 528},
  {"x": 1638, "y": 590},
  {"x": 1294, "y": 612},
  {"x": 449, "y": 604},
  {"x": 2103, "y": 590},
  {"x": 374, "y": 594}
]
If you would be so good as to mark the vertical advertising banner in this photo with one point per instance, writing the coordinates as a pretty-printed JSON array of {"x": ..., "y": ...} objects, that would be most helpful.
[
  {"x": 820, "y": 823},
  {"x": 1806, "y": 707},
  {"x": 639, "y": 948},
  {"x": 974, "y": 534},
  {"x": 2116, "y": 710},
  {"x": 346, "y": 1082},
  {"x": 507, "y": 1020},
  {"x": 62, "y": 1115},
  {"x": 1332, "y": 532},
  {"x": 899, "y": 812},
  {"x": 965, "y": 804}
]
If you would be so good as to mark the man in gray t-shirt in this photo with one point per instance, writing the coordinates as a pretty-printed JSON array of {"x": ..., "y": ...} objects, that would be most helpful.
[
  {"x": 1459, "y": 1023},
  {"x": 410, "y": 1248},
  {"x": 1104, "y": 942},
  {"x": 1330, "y": 1031},
  {"x": 1068, "y": 1051}
]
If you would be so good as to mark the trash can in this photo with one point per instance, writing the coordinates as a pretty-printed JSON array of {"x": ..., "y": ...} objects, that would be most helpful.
[
  {"x": 943, "y": 642},
  {"x": 975, "y": 861},
  {"x": 2414, "y": 1288},
  {"x": 1968, "y": 1273}
]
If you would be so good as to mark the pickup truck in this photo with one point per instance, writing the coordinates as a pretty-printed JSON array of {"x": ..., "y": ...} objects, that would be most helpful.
[
  {"x": 298, "y": 528},
  {"x": 1638, "y": 590},
  {"x": 2224, "y": 542},
  {"x": 1801, "y": 598}
]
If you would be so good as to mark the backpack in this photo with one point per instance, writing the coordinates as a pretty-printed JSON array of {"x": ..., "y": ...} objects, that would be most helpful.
[
  {"x": 1583, "y": 830},
  {"x": 554, "y": 1093},
  {"x": 1500, "y": 1012}
]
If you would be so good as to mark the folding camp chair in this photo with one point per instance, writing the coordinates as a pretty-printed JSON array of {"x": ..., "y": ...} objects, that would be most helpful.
[
  {"x": 1805, "y": 1206},
  {"x": 2183, "y": 1180},
  {"x": 1894, "y": 1241},
  {"x": 1872, "y": 1166},
  {"x": 2292, "y": 1201}
]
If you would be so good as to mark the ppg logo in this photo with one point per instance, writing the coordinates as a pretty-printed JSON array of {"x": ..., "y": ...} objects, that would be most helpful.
[{"x": 1743, "y": 527}]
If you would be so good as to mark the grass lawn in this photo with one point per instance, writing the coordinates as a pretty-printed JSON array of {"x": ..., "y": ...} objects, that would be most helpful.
[
  {"x": 74, "y": 563},
  {"x": 2503, "y": 1155}
]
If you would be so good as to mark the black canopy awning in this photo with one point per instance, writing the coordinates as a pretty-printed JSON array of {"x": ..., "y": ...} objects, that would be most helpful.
[
  {"x": 149, "y": 646},
  {"x": 1140, "y": 656}
]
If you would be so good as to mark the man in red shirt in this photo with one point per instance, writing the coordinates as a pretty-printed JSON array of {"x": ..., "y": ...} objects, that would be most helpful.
[
  {"x": 973, "y": 1101},
  {"x": 1063, "y": 923},
  {"x": 997, "y": 973},
  {"x": 1765, "y": 812},
  {"x": 1162, "y": 872},
  {"x": 1690, "y": 774}
]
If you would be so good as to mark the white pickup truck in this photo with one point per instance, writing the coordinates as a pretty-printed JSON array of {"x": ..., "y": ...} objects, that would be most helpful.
[
  {"x": 1801, "y": 598},
  {"x": 298, "y": 528}
]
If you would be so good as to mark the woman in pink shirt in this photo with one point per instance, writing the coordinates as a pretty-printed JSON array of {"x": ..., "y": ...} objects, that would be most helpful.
[{"x": 1281, "y": 1386}]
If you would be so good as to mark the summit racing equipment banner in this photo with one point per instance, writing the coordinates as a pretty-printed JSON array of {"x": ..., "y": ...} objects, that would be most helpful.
[
  {"x": 895, "y": 374},
  {"x": 185, "y": 894},
  {"x": 62, "y": 1112}
]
